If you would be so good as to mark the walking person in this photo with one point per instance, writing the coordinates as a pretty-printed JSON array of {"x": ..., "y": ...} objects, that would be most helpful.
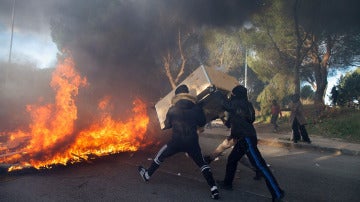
[
  {"x": 241, "y": 118},
  {"x": 275, "y": 112},
  {"x": 297, "y": 120},
  {"x": 184, "y": 116}
]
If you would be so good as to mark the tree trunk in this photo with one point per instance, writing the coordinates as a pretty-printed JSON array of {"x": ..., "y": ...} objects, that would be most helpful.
[
  {"x": 321, "y": 73},
  {"x": 298, "y": 50},
  {"x": 167, "y": 61},
  {"x": 321, "y": 84}
]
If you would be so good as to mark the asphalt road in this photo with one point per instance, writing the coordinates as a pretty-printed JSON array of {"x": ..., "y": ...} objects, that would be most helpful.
[{"x": 305, "y": 175}]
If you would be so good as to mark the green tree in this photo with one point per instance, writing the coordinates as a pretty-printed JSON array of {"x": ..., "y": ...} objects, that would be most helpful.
[
  {"x": 303, "y": 40},
  {"x": 224, "y": 48},
  {"x": 333, "y": 40},
  {"x": 306, "y": 92},
  {"x": 349, "y": 87},
  {"x": 272, "y": 43}
]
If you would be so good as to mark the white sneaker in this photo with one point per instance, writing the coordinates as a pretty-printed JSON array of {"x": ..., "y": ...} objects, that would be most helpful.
[{"x": 143, "y": 173}]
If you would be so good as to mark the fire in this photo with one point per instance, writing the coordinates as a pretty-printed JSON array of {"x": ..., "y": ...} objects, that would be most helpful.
[{"x": 51, "y": 137}]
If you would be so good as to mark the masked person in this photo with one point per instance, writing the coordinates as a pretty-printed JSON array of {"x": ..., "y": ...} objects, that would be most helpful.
[
  {"x": 226, "y": 144},
  {"x": 241, "y": 119},
  {"x": 184, "y": 117}
]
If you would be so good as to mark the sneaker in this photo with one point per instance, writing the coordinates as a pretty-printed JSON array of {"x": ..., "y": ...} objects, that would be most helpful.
[
  {"x": 143, "y": 173},
  {"x": 215, "y": 193},
  {"x": 225, "y": 186}
]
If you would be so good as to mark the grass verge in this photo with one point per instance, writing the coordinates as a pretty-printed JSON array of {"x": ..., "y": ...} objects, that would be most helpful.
[{"x": 338, "y": 123}]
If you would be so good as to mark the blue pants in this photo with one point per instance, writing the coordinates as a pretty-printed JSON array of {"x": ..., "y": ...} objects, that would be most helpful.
[{"x": 248, "y": 146}]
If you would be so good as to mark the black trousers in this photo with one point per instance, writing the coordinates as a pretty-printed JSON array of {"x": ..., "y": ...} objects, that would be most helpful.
[
  {"x": 299, "y": 130},
  {"x": 190, "y": 146},
  {"x": 248, "y": 146}
]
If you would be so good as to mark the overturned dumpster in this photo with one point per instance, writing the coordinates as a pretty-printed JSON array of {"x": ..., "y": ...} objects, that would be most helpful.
[{"x": 202, "y": 83}]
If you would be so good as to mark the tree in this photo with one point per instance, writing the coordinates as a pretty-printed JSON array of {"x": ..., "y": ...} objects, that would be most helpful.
[
  {"x": 224, "y": 48},
  {"x": 272, "y": 43},
  {"x": 334, "y": 40},
  {"x": 168, "y": 61},
  {"x": 306, "y": 92},
  {"x": 349, "y": 87},
  {"x": 303, "y": 40}
]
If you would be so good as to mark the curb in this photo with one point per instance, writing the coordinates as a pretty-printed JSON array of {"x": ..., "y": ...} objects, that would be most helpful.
[
  {"x": 313, "y": 146},
  {"x": 278, "y": 142}
]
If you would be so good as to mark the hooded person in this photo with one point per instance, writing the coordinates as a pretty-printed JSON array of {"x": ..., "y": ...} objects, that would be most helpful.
[
  {"x": 183, "y": 117},
  {"x": 297, "y": 120},
  {"x": 241, "y": 119}
]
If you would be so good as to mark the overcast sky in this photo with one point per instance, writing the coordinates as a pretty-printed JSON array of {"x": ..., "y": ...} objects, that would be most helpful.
[{"x": 32, "y": 42}]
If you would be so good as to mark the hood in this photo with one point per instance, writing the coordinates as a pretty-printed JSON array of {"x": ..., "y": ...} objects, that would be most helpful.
[{"x": 183, "y": 96}]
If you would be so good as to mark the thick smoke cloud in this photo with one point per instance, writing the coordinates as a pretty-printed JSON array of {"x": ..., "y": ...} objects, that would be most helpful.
[{"x": 118, "y": 44}]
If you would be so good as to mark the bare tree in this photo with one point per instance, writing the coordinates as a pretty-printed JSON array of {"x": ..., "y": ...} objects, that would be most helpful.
[{"x": 168, "y": 63}]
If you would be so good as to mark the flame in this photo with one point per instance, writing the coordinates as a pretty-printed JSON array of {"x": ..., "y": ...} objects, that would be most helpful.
[{"x": 51, "y": 137}]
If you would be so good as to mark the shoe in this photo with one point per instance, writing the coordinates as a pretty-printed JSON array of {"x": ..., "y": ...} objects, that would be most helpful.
[
  {"x": 208, "y": 159},
  {"x": 225, "y": 186},
  {"x": 143, "y": 173},
  {"x": 215, "y": 193}
]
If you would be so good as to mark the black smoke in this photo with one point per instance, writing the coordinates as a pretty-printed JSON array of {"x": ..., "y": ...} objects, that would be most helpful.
[{"x": 118, "y": 44}]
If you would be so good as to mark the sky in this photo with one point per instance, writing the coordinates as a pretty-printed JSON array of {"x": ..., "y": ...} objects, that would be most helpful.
[{"x": 32, "y": 42}]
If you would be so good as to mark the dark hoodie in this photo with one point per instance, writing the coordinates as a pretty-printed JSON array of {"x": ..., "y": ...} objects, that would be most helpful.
[
  {"x": 184, "y": 117},
  {"x": 241, "y": 114}
]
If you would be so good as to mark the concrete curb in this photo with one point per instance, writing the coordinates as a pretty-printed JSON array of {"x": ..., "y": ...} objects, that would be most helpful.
[
  {"x": 313, "y": 146},
  {"x": 279, "y": 142}
]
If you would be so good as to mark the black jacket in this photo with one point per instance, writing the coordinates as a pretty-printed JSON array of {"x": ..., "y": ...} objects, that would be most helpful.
[
  {"x": 184, "y": 117},
  {"x": 241, "y": 117}
]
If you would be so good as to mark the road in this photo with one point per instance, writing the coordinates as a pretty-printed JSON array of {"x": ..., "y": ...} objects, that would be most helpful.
[{"x": 305, "y": 175}]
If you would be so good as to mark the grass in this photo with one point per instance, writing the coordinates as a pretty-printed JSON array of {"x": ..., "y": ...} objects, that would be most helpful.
[{"x": 338, "y": 123}]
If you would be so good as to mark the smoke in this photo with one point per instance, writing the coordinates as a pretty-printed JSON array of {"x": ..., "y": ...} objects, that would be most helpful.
[{"x": 118, "y": 44}]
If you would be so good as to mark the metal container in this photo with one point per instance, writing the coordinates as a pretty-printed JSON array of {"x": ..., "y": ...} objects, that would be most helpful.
[{"x": 202, "y": 82}]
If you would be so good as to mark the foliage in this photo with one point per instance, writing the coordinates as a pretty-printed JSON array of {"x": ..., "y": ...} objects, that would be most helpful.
[
  {"x": 338, "y": 123},
  {"x": 306, "y": 92},
  {"x": 224, "y": 48},
  {"x": 274, "y": 91},
  {"x": 349, "y": 87}
]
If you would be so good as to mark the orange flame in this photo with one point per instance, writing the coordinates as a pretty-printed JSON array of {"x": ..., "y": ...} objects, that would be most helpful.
[{"x": 51, "y": 138}]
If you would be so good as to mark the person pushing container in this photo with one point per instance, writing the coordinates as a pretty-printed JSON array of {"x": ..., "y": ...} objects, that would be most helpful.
[{"x": 184, "y": 117}]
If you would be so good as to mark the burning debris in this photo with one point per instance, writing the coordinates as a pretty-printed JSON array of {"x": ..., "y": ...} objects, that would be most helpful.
[{"x": 52, "y": 137}]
